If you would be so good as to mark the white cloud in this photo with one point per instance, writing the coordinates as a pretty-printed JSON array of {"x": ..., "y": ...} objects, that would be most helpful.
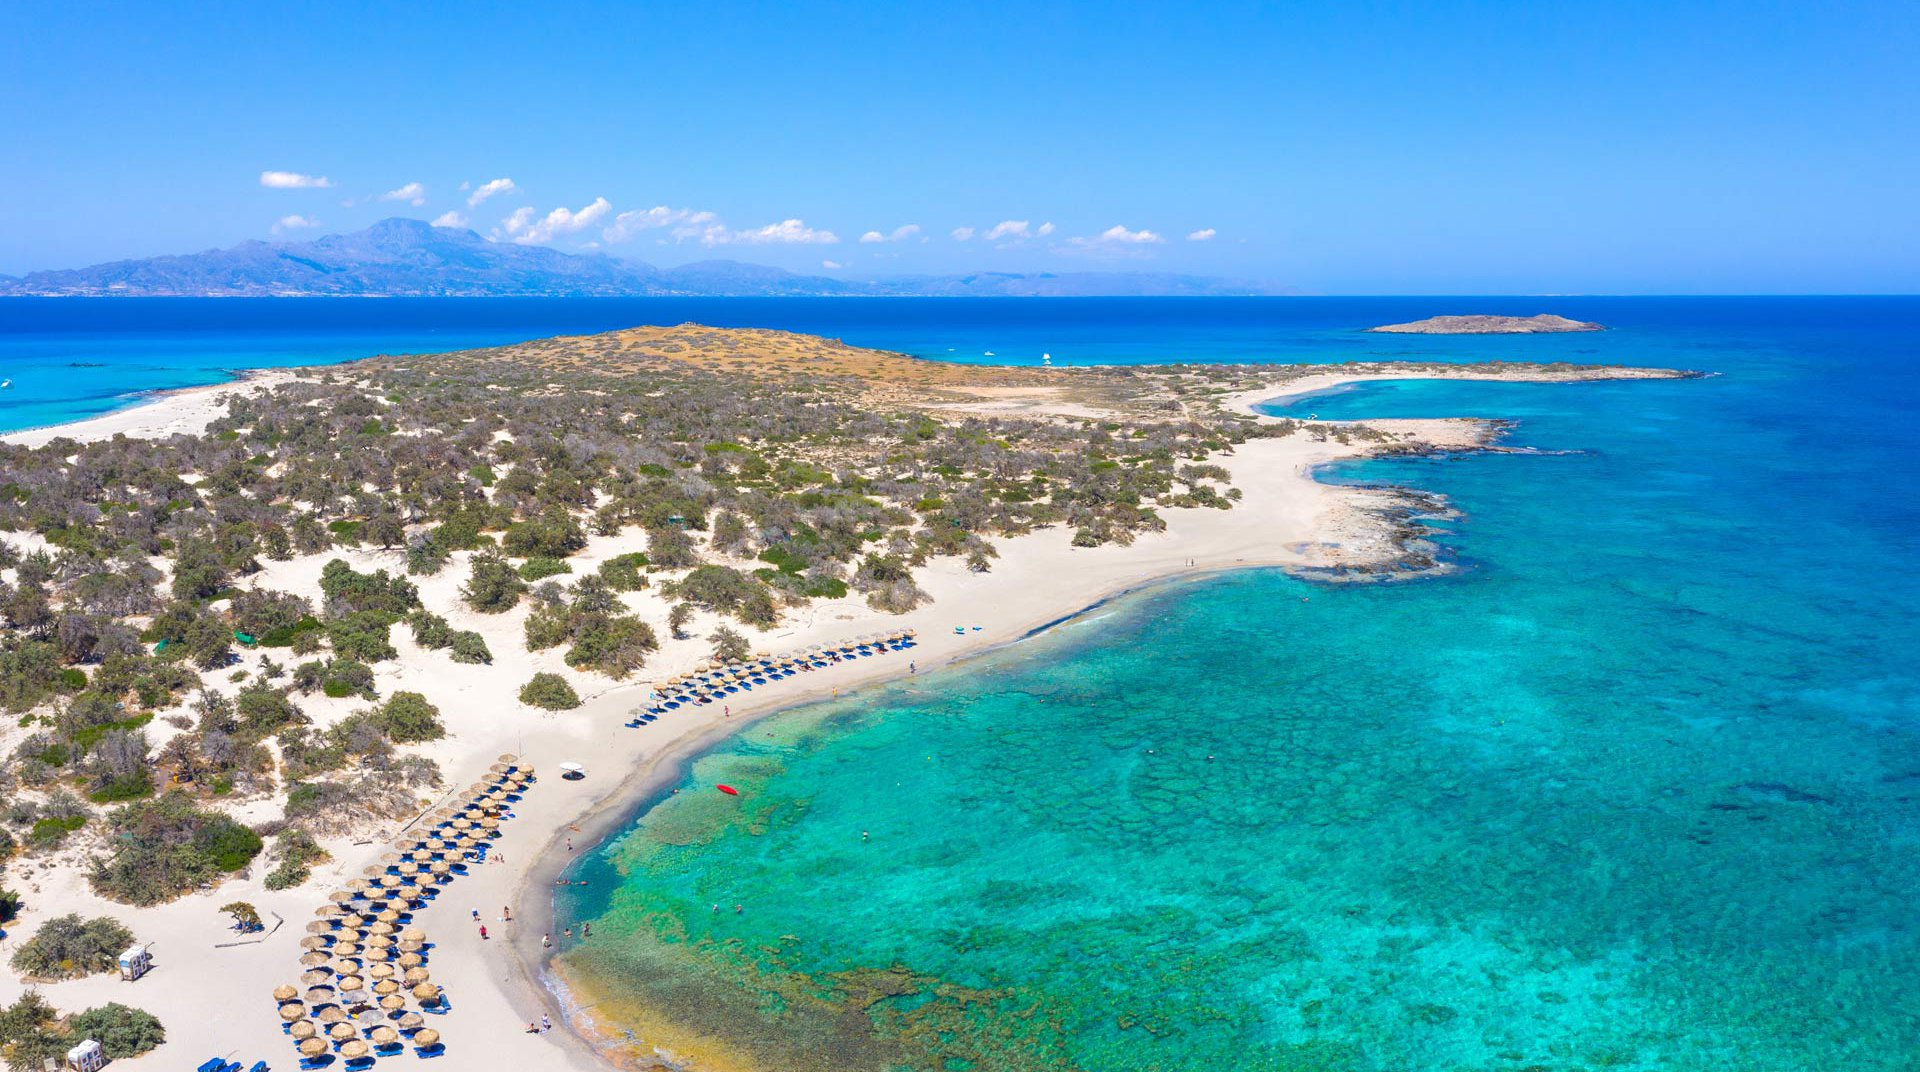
[
  {"x": 1202, "y": 235},
  {"x": 1119, "y": 233},
  {"x": 1045, "y": 230},
  {"x": 1115, "y": 241},
  {"x": 786, "y": 232},
  {"x": 898, "y": 234},
  {"x": 831, "y": 264},
  {"x": 293, "y": 180},
  {"x": 522, "y": 228},
  {"x": 1008, "y": 229},
  {"x": 412, "y": 193},
  {"x": 449, "y": 218},
  {"x": 962, "y": 234},
  {"x": 488, "y": 189},
  {"x": 294, "y": 223},
  {"x": 685, "y": 223}
]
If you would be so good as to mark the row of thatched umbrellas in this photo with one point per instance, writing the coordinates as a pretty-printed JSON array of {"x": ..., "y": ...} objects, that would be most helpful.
[
  {"x": 356, "y": 953},
  {"x": 712, "y": 679}
]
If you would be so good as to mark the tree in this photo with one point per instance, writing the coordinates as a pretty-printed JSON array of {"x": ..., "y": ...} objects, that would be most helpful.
[
  {"x": 408, "y": 716},
  {"x": 677, "y": 620},
  {"x": 549, "y": 691},
  {"x": 729, "y": 646},
  {"x": 121, "y": 1030},
  {"x": 493, "y": 585},
  {"x": 67, "y": 947},
  {"x": 245, "y": 916}
]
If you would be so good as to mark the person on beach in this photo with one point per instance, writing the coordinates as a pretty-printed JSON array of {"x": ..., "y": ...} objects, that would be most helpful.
[
  {"x": 483, "y": 932},
  {"x": 738, "y": 909},
  {"x": 506, "y": 915},
  {"x": 546, "y": 940},
  {"x": 546, "y": 1025},
  {"x": 476, "y": 915},
  {"x": 532, "y": 1028},
  {"x": 569, "y": 844},
  {"x": 567, "y": 934},
  {"x": 585, "y": 930}
]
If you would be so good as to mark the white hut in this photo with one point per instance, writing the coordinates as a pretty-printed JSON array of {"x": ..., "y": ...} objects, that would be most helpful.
[
  {"x": 134, "y": 963},
  {"x": 87, "y": 1057}
]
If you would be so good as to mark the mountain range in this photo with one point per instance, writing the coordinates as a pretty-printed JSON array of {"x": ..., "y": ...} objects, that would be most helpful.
[{"x": 410, "y": 258}]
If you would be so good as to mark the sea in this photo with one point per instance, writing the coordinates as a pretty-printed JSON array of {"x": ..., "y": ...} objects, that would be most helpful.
[{"x": 1634, "y": 786}]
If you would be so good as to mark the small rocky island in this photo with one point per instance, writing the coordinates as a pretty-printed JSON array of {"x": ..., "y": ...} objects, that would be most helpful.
[{"x": 1545, "y": 323}]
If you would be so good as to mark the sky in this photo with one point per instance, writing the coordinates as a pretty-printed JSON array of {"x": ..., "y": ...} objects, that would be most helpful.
[{"x": 1438, "y": 148}]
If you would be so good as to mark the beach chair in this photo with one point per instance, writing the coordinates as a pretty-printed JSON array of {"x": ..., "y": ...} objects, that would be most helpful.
[{"x": 259, "y": 1066}]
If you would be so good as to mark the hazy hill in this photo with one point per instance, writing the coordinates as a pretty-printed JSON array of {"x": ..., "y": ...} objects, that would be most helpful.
[{"x": 410, "y": 258}]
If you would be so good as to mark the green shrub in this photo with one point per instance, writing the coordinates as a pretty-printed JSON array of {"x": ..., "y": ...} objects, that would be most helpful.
[
  {"x": 51, "y": 831},
  {"x": 549, "y": 691},
  {"x": 282, "y": 636},
  {"x": 470, "y": 647},
  {"x": 622, "y": 572},
  {"x": 540, "y": 567},
  {"x": 121, "y": 1031},
  {"x": 67, "y": 947},
  {"x": 166, "y": 847},
  {"x": 493, "y": 585},
  {"x": 73, "y": 678},
  {"x": 408, "y": 716}
]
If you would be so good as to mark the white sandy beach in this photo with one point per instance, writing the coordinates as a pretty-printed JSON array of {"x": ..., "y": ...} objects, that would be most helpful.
[{"x": 213, "y": 995}]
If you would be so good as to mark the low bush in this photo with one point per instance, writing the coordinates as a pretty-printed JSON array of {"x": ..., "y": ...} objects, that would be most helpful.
[
  {"x": 67, "y": 947},
  {"x": 549, "y": 691},
  {"x": 166, "y": 848},
  {"x": 121, "y": 1030}
]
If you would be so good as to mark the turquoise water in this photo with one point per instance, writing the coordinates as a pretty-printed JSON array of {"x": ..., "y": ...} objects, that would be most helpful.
[{"x": 1636, "y": 788}]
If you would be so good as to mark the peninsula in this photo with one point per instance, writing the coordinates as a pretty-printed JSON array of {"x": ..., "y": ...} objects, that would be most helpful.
[
  {"x": 282, "y": 653},
  {"x": 1543, "y": 324}
]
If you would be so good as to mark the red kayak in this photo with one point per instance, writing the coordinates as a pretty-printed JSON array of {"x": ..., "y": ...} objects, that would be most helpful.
[{"x": 729, "y": 790}]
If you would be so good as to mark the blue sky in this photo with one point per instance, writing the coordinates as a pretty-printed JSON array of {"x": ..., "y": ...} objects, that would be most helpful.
[{"x": 1337, "y": 148}]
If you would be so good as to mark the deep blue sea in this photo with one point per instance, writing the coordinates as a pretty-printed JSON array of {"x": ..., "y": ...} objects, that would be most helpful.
[{"x": 1636, "y": 788}]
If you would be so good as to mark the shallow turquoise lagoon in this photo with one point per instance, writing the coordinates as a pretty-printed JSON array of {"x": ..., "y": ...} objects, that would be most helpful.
[{"x": 1636, "y": 787}]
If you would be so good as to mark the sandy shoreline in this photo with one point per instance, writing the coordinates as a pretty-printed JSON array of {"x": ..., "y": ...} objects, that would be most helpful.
[
  {"x": 157, "y": 414},
  {"x": 495, "y": 987}
]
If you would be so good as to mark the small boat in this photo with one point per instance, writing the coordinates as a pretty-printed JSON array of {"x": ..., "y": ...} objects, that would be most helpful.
[{"x": 728, "y": 790}]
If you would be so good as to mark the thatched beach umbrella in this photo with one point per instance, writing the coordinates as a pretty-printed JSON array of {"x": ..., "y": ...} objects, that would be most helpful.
[
  {"x": 302, "y": 1030},
  {"x": 380, "y": 971},
  {"x": 440, "y": 868},
  {"x": 312, "y": 1047},
  {"x": 284, "y": 993},
  {"x": 319, "y": 995},
  {"x": 390, "y": 858},
  {"x": 426, "y": 1037},
  {"x": 385, "y": 1036},
  {"x": 353, "y": 1049},
  {"x": 413, "y": 934},
  {"x": 314, "y": 959},
  {"x": 320, "y": 926},
  {"x": 332, "y": 1014},
  {"x": 292, "y": 1011},
  {"x": 346, "y": 949},
  {"x": 379, "y": 941},
  {"x": 346, "y": 966},
  {"x": 388, "y": 916},
  {"x": 385, "y": 987},
  {"x": 411, "y": 958},
  {"x": 352, "y": 982},
  {"x": 315, "y": 977},
  {"x": 393, "y": 1003},
  {"x": 426, "y": 993},
  {"x": 419, "y": 856},
  {"x": 498, "y": 768},
  {"x": 342, "y": 1031},
  {"x": 415, "y": 976},
  {"x": 314, "y": 941},
  {"x": 371, "y": 870},
  {"x": 412, "y": 1021},
  {"x": 357, "y": 885}
]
